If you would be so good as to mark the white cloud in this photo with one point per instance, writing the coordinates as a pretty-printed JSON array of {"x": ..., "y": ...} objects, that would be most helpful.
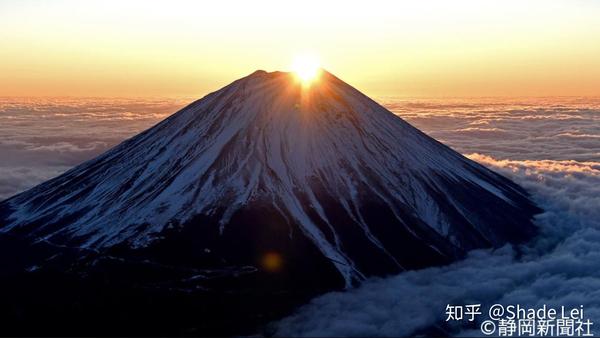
[
  {"x": 533, "y": 129},
  {"x": 41, "y": 138}
]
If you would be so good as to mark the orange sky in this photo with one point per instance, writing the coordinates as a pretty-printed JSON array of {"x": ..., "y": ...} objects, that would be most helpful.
[{"x": 405, "y": 48}]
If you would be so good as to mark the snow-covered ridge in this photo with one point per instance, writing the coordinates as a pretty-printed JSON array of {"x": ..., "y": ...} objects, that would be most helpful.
[{"x": 265, "y": 139}]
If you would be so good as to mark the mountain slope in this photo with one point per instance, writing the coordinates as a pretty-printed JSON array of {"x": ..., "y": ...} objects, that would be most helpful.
[{"x": 269, "y": 176}]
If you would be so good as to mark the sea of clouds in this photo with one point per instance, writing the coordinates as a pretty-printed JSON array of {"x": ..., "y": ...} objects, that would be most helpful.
[
  {"x": 549, "y": 146},
  {"x": 43, "y": 137}
]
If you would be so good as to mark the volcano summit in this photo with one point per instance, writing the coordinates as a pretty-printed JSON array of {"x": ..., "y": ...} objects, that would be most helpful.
[{"x": 270, "y": 185}]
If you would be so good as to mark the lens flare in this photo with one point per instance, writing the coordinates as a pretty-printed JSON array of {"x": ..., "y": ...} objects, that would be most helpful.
[{"x": 272, "y": 261}]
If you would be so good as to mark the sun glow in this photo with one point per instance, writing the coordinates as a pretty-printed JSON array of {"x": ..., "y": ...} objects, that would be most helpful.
[
  {"x": 436, "y": 48},
  {"x": 306, "y": 67}
]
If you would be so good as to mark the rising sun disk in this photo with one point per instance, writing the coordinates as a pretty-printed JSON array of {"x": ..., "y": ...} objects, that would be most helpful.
[{"x": 306, "y": 68}]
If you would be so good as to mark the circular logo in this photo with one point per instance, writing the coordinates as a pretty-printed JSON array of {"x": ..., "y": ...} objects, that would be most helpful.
[{"x": 488, "y": 327}]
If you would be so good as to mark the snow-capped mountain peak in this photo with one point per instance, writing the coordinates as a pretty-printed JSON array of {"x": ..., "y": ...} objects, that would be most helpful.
[{"x": 321, "y": 163}]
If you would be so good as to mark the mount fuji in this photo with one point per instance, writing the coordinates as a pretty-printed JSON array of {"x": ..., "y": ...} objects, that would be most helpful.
[{"x": 266, "y": 189}]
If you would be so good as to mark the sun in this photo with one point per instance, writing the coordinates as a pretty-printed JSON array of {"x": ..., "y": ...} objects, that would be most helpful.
[{"x": 306, "y": 67}]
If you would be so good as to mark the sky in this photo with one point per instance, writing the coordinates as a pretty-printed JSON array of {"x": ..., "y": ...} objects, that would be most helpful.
[{"x": 431, "y": 48}]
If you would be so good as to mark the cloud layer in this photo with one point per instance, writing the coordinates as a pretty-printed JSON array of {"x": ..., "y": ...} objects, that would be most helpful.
[
  {"x": 41, "y": 138},
  {"x": 521, "y": 129}
]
